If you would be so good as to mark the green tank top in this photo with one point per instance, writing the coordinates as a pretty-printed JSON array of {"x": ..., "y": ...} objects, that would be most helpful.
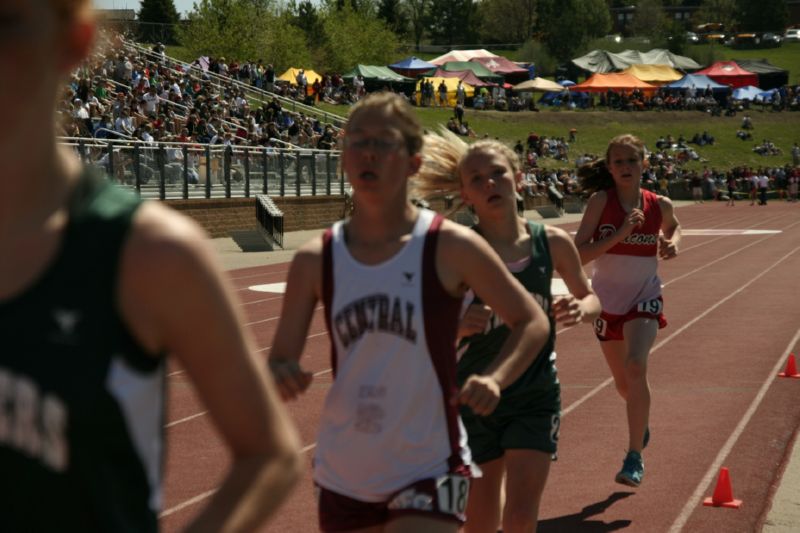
[
  {"x": 81, "y": 403},
  {"x": 477, "y": 351}
]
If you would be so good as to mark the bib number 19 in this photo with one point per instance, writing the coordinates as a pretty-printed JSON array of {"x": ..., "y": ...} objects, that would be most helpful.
[
  {"x": 452, "y": 491},
  {"x": 651, "y": 306}
]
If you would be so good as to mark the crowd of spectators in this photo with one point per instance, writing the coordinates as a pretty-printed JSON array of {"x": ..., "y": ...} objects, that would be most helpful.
[{"x": 121, "y": 93}]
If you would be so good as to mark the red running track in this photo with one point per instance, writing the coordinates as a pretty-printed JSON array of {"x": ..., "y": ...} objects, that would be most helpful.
[{"x": 716, "y": 398}]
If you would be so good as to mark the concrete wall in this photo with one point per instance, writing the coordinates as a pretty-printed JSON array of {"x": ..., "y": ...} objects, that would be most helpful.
[{"x": 221, "y": 216}]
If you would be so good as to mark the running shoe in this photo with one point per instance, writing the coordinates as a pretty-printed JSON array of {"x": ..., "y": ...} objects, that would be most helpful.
[
  {"x": 632, "y": 470},
  {"x": 646, "y": 437}
]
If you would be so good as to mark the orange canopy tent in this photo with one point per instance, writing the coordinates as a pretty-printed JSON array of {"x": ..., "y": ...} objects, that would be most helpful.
[{"x": 615, "y": 81}]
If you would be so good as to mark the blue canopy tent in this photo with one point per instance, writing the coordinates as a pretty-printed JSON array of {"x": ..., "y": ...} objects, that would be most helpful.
[
  {"x": 749, "y": 92},
  {"x": 698, "y": 81},
  {"x": 581, "y": 99},
  {"x": 411, "y": 67}
]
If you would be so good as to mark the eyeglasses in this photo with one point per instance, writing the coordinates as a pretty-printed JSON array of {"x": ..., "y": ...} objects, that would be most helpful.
[{"x": 377, "y": 144}]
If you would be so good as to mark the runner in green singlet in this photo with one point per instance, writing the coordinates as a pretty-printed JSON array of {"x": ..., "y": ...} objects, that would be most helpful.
[
  {"x": 519, "y": 438},
  {"x": 95, "y": 288}
]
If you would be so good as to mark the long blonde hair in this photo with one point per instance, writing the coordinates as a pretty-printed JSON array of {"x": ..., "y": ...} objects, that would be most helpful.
[{"x": 442, "y": 156}]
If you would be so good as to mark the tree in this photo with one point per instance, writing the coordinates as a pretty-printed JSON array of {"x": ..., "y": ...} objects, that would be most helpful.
[
  {"x": 157, "y": 19},
  {"x": 451, "y": 21},
  {"x": 417, "y": 16},
  {"x": 244, "y": 30},
  {"x": 352, "y": 37},
  {"x": 391, "y": 12},
  {"x": 508, "y": 21},
  {"x": 764, "y": 15},
  {"x": 567, "y": 26},
  {"x": 649, "y": 20}
]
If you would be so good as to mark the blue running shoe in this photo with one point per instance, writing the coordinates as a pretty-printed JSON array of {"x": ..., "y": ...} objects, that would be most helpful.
[
  {"x": 632, "y": 470},
  {"x": 646, "y": 437}
]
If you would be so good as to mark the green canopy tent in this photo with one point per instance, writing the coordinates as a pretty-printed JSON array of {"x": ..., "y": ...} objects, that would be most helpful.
[{"x": 376, "y": 77}]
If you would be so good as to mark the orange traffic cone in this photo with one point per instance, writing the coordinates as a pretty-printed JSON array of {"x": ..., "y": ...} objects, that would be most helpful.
[
  {"x": 723, "y": 493},
  {"x": 791, "y": 369}
]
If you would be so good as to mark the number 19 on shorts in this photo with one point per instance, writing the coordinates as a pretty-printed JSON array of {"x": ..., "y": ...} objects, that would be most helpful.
[{"x": 452, "y": 491}]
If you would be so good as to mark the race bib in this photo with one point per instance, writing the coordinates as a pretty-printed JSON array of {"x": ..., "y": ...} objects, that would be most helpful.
[
  {"x": 452, "y": 492},
  {"x": 653, "y": 307}
]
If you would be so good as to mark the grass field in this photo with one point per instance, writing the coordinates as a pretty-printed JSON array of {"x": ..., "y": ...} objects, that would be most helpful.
[{"x": 595, "y": 128}]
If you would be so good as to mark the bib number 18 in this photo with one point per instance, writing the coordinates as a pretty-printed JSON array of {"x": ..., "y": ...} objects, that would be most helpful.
[{"x": 452, "y": 491}]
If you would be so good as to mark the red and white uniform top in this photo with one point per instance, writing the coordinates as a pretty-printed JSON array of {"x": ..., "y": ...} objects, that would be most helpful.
[
  {"x": 387, "y": 420},
  {"x": 627, "y": 273}
]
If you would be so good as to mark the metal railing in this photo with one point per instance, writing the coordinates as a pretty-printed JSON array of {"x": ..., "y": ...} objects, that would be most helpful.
[
  {"x": 173, "y": 170},
  {"x": 270, "y": 219}
]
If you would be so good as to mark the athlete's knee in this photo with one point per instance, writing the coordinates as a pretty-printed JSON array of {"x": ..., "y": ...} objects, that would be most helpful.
[
  {"x": 635, "y": 369},
  {"x": 519, "y": 518}
]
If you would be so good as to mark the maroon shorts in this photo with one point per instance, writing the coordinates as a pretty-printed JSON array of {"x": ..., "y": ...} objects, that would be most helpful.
[
  {"x": 608, "y": 327},
  {"x": 442, "y": 498}
]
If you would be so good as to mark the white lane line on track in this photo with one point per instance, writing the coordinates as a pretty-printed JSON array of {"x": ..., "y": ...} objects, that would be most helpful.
[
  {"x": 185, "y": 419},
  {"x": 679, "y": 331},
  {"x": 272, "y": 318},
  {"x": 264, "y": 349},
  {"x": 705, "y": 483},
  {"x": 262, "y": 300},
  {"x": 209, "y": 493},
  {"x": 187, "y": 503},
  {"x": 258, "y": 275},
  {"x": 705, "y": 265}
]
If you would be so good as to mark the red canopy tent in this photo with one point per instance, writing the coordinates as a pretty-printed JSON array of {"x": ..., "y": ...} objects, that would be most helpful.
[
  {"x": 467, "y": 76},
  {"x": 729, "y": 73},
  {"x": 615, "y": 81}
]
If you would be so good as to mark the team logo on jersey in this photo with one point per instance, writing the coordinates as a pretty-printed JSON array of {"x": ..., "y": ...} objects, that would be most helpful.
[
  {"x": 605, "y": 231},
  {"x": 408, "y": 278},
  {"x": 32, "y": 421},
  {"x": 376, "y": 312},
  {"x": 642, "y": 239},
  {"x": 66, "y": 319}
]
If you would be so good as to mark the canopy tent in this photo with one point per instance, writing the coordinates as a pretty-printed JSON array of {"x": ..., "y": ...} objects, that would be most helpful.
[
  {"x": 563, "y": 94},
  {"x": 479, "y": 70},
  {"x": 615, "y": 81},
  {"x": 466, "y": 76},
  {"x": 375, "y": 73},
  {"x": 461, "y": 55},
  {"x": 411, "y": 67},
  {"x": 291, "y": 76},
  {"x": 769, "y": 76},
  {"x": 539, "y": 85},
  {"x": 748, "y": 92},
  {"x": 698, "y": 81},
  {"x": 602, "y": 61},
  {"x": 451, "y": 84},
  {"x": 377, "y": 77},
  {"x": 656, "y": 74},
  {"x": 729, "y": 73},
  {"x": 502, "y": 66}
]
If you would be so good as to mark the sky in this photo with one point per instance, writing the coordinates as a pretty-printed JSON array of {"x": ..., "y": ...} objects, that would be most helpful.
[{"x": 181, "y": 5}]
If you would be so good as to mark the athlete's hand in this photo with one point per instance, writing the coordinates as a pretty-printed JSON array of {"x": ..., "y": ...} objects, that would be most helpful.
[
  {"x": 480, "y": 393},
  {"x": 667, "y": 249},
  {"x": 474, "y": 320},
  {"x": 567, "y": 310},
  {"x": 289, "y": 377},
  {"x": 633, "y": 220}
]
